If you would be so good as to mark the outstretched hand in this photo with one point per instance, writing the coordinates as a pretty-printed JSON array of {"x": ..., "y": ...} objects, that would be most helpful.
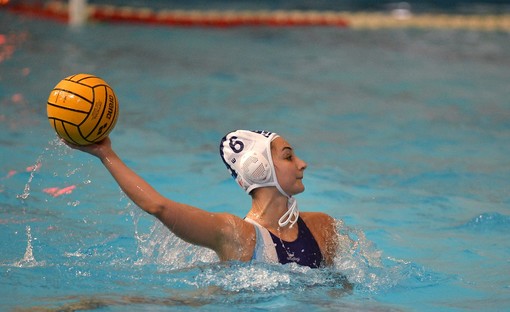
[{"x": 98, "y": 149}]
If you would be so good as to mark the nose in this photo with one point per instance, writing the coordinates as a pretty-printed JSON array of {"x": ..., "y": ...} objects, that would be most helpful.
[{"x": 302, "y": 164}]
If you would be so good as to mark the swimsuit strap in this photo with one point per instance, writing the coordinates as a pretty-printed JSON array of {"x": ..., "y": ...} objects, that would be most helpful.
[{"x": 264, "y": 247}]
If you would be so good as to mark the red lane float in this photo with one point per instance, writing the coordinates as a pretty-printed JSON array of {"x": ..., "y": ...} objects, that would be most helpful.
[
  {"x": 58, "y": 10},
  {"x": 207, "y": 18}
]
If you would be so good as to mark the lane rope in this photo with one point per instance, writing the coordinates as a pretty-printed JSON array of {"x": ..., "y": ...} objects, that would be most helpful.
[{"x": 58, "y": 10}]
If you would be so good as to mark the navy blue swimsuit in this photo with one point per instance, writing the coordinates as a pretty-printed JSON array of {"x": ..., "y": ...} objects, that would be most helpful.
[{"x": 303, "y": 251}]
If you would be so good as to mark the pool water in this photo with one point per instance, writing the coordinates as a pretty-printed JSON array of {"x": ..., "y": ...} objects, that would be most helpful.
[{"x": 406, "y": 134}]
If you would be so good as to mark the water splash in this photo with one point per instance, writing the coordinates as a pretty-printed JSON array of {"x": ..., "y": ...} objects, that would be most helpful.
[
  {"x": 163, "y": 248},
  {"x": 358, "y": 261},
  {"x": 33, "y": 170},
  {"x": 258, "y": 277},
  {"x": 58, "y": 148},
  {"x": 28, "y": 259},
  {"x": 365, "y": 266}
]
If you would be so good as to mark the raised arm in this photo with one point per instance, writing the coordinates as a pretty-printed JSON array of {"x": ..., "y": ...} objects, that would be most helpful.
[{"x": 191, "y": 224}]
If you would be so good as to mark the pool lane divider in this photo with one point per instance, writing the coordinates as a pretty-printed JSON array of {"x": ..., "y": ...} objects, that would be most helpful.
[{"x": 58, "y": 10}]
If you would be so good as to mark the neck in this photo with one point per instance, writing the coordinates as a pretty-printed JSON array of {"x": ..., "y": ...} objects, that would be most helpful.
[{"x": 268, "y": 205}]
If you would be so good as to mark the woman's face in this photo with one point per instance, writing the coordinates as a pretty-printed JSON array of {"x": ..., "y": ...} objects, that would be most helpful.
[{"x": 288, "y": 167}]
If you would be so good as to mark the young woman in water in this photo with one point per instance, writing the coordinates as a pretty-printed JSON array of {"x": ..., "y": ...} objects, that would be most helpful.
[{"x": 266, "y": 167}]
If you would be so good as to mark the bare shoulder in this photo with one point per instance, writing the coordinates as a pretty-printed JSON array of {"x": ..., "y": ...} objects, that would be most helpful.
[
  {"x": 321, "y": 224},
  {"x": 238, "y": 238},
  {"x": 317, "y": 218},
  {"x": 323, "y": 228},
  {"x": 234, "y": 226}
]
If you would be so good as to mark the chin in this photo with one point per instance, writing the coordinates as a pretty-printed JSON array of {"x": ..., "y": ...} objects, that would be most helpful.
[
  {"x": 300, "y": 189},
  {"x": 296, "y": 189}
]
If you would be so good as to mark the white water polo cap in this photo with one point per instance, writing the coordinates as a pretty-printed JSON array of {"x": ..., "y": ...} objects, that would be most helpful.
[{"x": 247, "y": 155}]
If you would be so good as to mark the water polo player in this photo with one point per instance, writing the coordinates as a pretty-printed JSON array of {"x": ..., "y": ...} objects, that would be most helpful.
[{"x": 266, "y": 167}]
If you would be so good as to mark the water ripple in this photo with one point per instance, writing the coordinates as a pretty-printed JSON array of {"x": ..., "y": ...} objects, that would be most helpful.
[{"x": 488, "y": 221}]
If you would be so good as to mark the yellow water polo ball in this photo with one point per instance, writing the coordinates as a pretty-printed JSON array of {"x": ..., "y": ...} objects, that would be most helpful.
[{"x": 83, "y": 109}]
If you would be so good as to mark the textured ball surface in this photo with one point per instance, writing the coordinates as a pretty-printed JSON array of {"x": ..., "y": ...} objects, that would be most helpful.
[{"x": 83, "y": 109}]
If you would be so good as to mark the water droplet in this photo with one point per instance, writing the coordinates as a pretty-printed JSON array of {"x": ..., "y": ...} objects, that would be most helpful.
[{"x": 74, "y": 203}]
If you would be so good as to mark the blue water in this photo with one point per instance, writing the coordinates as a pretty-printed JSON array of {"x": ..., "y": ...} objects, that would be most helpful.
[{"x": 406, "y": 134}]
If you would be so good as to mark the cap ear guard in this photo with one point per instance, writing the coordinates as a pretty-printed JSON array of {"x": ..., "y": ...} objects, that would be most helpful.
[
  {"x": 255, "y": 167},
  {"x": 247, "y": 156}
]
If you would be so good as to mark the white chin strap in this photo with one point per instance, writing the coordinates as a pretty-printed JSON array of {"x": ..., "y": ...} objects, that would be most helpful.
[{"x": 292, "y": 214}]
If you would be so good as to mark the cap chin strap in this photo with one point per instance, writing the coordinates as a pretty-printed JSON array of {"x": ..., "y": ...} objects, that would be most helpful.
[{"x": 292, "y": 214}]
